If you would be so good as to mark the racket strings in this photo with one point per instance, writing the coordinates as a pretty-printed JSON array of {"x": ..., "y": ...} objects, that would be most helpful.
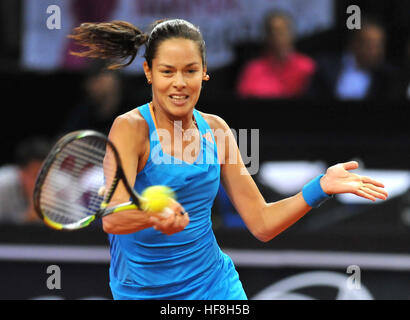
[
  {"x": 71, "y": 189},
  {"x": 81, "y": 164}
]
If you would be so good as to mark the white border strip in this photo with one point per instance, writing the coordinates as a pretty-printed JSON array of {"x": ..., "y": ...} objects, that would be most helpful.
[
  {"x": 49, "y": 253},
  {"x": 241, "y": 258},
  {"x": 329, "y": 259}
]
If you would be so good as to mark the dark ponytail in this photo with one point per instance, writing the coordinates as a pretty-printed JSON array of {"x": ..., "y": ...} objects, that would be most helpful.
[
  {"x": 119, "y": 39},
  {"x": 116, "y": 40}
]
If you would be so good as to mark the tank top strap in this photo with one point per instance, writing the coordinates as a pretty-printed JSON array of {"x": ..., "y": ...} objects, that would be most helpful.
[
  {"x": 209, "y": 147},
  {"x": 146, "y": 113},
  {"x": 204, "y": 128}
]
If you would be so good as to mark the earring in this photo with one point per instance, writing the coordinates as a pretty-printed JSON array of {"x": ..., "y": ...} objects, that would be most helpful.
[
  {"x": 149, "y": 81},
  {"x": 206, "y": 77}
]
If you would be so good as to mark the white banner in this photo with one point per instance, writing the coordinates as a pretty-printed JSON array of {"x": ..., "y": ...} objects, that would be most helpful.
[{"x": 222, "y": 22}]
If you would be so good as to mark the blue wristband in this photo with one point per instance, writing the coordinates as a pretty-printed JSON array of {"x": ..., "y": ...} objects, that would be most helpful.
[{"x": 313, "y": 193}]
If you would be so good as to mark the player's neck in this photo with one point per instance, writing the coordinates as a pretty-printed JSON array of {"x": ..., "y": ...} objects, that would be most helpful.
[{"x": 167, "y": 121}]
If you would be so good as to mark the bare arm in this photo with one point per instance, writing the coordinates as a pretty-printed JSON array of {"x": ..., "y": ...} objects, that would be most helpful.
[
  {"x": 127, "y": 134},
  {"x": 266, "y": 220}
]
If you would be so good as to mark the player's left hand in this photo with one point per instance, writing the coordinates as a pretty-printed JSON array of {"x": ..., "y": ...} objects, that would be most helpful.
[{"x": 339, "y": 180}]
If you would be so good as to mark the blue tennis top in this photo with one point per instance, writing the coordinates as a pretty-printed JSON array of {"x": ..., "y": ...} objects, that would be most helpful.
[{"x": 189, "y": 264}]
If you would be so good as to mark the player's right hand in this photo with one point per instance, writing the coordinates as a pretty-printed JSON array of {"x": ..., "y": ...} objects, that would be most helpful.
[{"x": 171, "y": 221}]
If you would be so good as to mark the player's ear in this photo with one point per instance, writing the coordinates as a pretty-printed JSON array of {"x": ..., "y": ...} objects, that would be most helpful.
[
  {"x": 205, "y": 76},
  {"x": 147, "y": 71}
]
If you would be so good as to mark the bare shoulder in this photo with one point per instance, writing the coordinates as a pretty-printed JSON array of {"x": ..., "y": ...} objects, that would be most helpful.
[
  {"x": 131, "y": 129},
  {"x": 132, "y": 123},
  {"x": 214, "y": 121}
]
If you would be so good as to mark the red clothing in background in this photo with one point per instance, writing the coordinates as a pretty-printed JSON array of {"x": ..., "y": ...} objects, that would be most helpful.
[{"x": 268, "y": 77}]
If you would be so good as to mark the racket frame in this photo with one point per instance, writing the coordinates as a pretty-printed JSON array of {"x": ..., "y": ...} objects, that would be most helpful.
[{"x": 135, "y": 202}]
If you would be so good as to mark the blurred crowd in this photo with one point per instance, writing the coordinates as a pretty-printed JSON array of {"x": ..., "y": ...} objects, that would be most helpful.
[
  {"x": 96, "y": 110},
  {"x": 360, "y": 71},
  {"x": 278, "y": 71},
  {"x": 17, "y": 181}
]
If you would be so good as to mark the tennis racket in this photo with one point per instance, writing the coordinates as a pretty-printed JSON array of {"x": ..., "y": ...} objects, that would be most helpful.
[{"x": 78, "y": 179}]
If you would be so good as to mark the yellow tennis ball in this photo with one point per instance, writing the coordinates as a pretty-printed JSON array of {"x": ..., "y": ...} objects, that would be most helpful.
[{"x": 157, "y": 198}]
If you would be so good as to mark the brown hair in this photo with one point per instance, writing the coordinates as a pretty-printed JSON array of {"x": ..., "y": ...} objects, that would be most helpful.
[{"x": 119, "y": 40}]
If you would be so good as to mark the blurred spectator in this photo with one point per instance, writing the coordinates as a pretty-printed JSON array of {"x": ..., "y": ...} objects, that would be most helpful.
[
  {"x": 101, "y": 104},
  {"x": 17, "y": 181},
  {"x": 359, "y": 73},
  {"x": 280, "y": 72},
  {"x": 403, "y": 83}
]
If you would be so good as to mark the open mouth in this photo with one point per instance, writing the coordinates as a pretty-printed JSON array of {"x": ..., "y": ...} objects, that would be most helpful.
[{"x": 179, "y": 99}]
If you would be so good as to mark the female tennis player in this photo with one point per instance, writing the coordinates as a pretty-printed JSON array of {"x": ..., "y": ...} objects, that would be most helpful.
[{"x": 177, "y": 257}]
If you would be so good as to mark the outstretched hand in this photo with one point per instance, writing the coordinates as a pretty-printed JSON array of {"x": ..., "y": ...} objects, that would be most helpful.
[{"x": 339, "y": 180}]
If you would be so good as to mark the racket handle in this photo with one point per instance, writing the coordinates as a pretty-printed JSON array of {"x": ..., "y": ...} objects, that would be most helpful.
[{"x": 122, "y": 207}]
